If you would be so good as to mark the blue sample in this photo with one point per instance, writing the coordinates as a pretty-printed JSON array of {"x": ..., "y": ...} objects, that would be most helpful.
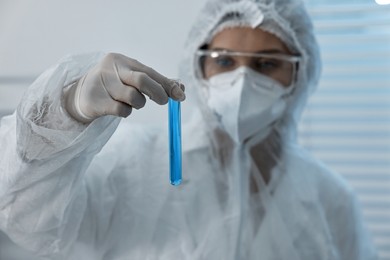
[{"x": 174, "y": 141}]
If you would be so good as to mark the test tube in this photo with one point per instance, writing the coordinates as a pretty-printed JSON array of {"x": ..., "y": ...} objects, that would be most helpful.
[{"x": 174, "y": 141}]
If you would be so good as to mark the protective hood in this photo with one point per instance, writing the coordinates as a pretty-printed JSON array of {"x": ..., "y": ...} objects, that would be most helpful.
[{"x": 288, "y": 20}]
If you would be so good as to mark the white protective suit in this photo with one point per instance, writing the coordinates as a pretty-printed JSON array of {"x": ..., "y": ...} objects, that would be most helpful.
[{"x": 101, "y": 191}]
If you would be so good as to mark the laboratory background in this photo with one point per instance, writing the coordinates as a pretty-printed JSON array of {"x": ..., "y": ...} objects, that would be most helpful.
[{"x": 346, "y": 123}]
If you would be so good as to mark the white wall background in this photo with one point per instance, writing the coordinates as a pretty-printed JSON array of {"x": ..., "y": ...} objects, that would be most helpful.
[{"x": 34, "y": 34}]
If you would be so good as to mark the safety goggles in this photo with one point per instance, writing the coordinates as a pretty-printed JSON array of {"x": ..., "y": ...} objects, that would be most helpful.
[{"x": 278, "y": 66}]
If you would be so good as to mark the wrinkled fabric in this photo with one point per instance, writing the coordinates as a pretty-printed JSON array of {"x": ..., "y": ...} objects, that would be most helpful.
[
  {"x": 101, "y": 191},
  {"x": 86, "y": 194}
]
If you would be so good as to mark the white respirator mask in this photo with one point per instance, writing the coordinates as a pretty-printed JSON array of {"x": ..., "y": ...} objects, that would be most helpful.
[{"x": 246, "y": 103}]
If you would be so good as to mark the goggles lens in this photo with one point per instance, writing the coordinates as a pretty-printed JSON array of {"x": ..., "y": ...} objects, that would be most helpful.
[{"x": 280, "y": 67}]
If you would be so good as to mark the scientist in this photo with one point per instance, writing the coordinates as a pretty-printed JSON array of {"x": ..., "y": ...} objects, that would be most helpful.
[{"x": 76, "y": 182}]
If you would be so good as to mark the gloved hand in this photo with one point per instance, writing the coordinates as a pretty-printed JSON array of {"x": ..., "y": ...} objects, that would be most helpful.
[{"x": 115, "y": 86}]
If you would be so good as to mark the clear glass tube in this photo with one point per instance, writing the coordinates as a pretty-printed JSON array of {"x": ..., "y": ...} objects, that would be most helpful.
[{"x": 174, "y": 141}]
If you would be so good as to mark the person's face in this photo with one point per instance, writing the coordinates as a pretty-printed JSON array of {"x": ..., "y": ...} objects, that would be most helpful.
[{"x": 248, "y": 40}]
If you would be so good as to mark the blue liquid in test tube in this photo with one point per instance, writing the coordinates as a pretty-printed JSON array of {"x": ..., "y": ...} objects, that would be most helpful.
[{"x": 174, "y": 141}]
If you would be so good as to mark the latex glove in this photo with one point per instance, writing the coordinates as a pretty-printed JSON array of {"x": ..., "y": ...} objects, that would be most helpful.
[{"x": 115, "y": 86}]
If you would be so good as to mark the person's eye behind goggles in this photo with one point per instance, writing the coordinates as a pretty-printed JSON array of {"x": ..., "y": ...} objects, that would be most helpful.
[{"x": 281, "y": 67}]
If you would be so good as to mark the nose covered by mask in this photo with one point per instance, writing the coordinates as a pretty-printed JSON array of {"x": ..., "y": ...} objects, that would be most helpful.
[{"x": 246, "y": 103}]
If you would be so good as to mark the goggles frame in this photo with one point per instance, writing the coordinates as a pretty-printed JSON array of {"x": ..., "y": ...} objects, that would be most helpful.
[{"x": 293, "y": 59}]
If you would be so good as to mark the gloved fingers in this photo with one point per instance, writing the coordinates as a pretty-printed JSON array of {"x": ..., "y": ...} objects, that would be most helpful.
[
  {"x": 126, "y": 94},
  {"x": 116, "y": 108},
  {"x": 176, "y": 90},
  {"x": 171, "y": 87},
  {"x": 144, "y": 84},
  {"x": 133, "y": 97}
]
